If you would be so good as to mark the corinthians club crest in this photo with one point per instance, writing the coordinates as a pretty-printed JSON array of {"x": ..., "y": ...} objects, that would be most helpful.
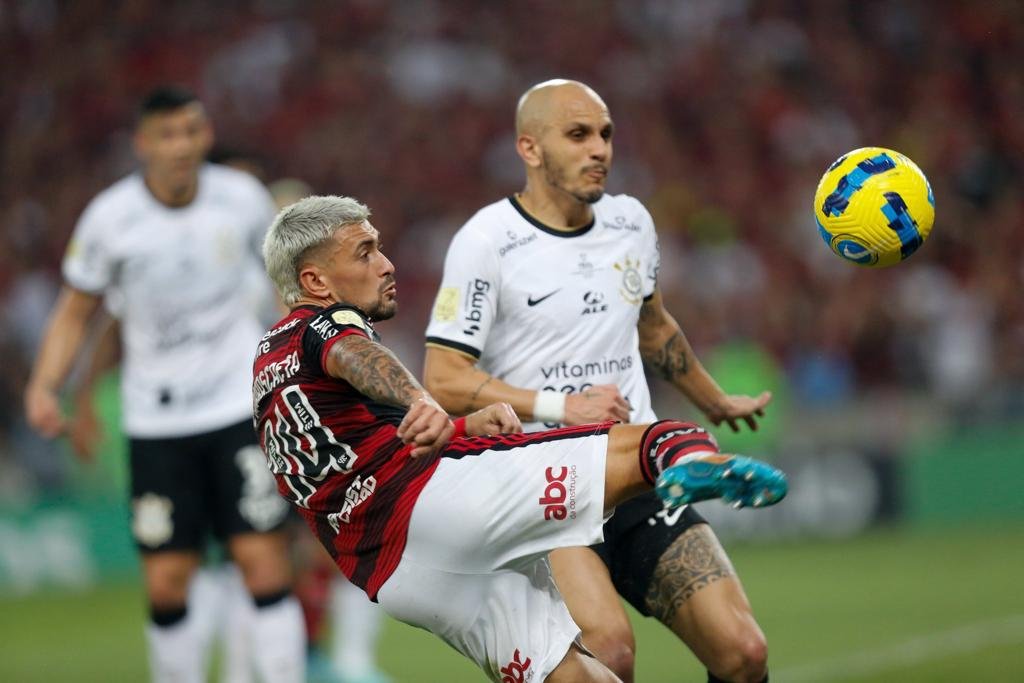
[
  {"x": 631, "y": 287},
  {"x": 152, "y": 525}
]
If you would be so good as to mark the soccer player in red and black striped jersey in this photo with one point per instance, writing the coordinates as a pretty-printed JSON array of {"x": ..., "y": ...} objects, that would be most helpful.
[{"x": 447, "y": 525}]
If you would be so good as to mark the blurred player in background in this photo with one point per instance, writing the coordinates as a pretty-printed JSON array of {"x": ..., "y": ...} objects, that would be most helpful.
[
  {"x": 219, "y": 605},
  {"x": 550, "y": 303},
  {"x": 448, "y": 533},
  {"x": 174, "y": 242},
  {"x": 355, "y": 621}
]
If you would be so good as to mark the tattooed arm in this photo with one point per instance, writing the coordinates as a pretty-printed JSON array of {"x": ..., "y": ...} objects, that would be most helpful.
[
  {"x": 664, "y": 348},
  {"x": 374, "y": 371}
]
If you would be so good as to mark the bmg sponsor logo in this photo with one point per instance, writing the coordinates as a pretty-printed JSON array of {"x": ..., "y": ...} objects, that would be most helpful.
[
  {"x": 476, "y": 297},
  {"x": 516, "y": 671},
  {"x": 559, "y": 499}
]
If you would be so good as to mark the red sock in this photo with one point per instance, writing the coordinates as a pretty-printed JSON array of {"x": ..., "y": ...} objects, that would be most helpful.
[{"x": 666, "y": 441}]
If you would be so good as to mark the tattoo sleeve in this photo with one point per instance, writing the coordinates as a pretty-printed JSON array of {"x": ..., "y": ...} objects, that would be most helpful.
[
  {"x": 373, "y": 370},
  {"x": 695, "y": 560},
  {"x": 670, "y": 360}
]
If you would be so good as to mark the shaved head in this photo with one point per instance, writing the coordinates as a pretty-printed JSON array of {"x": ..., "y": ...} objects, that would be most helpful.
[
  {"x": 552, "y": 101},
  {"x": 564, "y": 137}
]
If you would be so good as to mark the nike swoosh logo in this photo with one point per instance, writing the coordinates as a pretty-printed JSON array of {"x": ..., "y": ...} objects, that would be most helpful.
[
  {"x": 854, "y": 255},
  {"x": 530, "y": 301}
]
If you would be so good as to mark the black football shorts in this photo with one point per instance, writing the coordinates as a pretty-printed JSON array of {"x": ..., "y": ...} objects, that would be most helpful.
[
  {"x": 636, "y": 537},
  {"x": 185, "y": 488}
]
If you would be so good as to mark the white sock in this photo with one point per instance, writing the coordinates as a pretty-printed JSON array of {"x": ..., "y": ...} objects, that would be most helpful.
[
  {"x": 205, "y": 607},
  {"x": 175, "y": 652},
  {"x": 355, "y": 627},
  {"x": 236, "y": 634},
  {"x": 279, "y": 642}
]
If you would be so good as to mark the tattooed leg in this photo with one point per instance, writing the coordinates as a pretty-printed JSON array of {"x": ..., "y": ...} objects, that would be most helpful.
[
  {"x": 694, "y": 561},
  {"x": 695, "y": 592}
]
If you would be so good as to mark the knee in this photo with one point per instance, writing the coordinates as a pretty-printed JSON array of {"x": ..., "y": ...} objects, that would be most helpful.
[
  {"x": 743, "y": 659},
  {"x": 167, "y": 589},
  {"x": 617, "y": 651},
  {"x": 263, "y": 578},
  {"x": 263, "y": 562}
]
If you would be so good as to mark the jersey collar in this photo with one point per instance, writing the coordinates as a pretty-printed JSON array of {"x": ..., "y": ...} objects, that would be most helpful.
[{"x": 575, "y": 232}]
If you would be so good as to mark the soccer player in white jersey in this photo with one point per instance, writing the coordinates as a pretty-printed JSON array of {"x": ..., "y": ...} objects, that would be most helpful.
[
  {"x": 550, "y": 303},
  {"x": 177, "y": 241}
]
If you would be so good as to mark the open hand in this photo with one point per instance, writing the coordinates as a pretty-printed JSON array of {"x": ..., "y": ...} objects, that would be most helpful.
[{"x": 731, "y": 409}]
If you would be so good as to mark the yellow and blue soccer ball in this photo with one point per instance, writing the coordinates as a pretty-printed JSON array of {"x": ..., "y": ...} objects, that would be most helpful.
[{"x": 874, "y": 207}]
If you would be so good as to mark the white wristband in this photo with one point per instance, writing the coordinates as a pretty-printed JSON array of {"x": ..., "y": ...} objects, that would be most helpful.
[{"x": 549, "y": 406}]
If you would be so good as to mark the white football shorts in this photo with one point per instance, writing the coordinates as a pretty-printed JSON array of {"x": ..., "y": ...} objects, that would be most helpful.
[{"x": 475, "y": 570}]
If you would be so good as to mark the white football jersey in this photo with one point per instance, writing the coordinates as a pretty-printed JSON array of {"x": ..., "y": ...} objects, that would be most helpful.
[
  {"x": 183, "y": 280},
  {"x": 546, "y": 309}
]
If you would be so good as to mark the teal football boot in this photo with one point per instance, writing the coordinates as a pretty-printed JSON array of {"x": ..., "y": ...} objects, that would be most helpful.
[{"x": 736, "y": 479}]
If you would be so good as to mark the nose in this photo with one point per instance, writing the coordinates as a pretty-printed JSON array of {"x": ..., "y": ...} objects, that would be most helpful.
[
  {"x": 387, "y": 267},
  {"x": 181, "y": 145},
  {"x": 600, "y": 149}
]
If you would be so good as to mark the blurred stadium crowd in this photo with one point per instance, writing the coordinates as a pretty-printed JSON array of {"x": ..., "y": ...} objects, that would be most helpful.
[{"x": 727, "y": 113}]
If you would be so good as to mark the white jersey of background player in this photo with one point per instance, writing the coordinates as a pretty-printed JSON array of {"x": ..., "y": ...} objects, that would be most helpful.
[
  {"x": 549, "y": 301},
  {"x": 183, "y": 313},
  {"x": 569, "y": 300},
  {"x": 178, "y": 242}
]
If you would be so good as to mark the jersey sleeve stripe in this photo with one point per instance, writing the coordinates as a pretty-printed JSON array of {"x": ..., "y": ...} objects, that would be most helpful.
[
  {"x": 459, "y": 347},
  {"x": 475, "y": 445}
]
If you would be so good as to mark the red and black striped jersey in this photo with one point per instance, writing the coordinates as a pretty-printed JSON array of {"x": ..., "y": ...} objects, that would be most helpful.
[{"x": 333, "y": 450}]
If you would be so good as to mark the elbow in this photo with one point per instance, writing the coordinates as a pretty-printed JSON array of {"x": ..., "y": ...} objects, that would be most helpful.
[{"x": 649, "y": 349}]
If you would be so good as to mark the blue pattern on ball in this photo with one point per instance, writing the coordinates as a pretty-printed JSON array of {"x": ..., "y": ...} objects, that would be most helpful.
[
  {"x": 902, "y": 223},
  {"x": 836, "y": 203}
]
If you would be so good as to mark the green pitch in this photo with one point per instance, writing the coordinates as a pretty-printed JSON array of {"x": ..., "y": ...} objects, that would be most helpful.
[{"x": 936, "y": 606}]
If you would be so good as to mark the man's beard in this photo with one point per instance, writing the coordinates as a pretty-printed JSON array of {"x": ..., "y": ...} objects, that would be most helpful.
[
  {"x": 384, "y": 310},
  {"x": 556, "y": 177}
]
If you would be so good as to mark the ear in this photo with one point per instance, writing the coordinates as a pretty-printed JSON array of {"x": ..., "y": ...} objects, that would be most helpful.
[
  {"x": 208, "y": 137},
  {"x": 529, "y": 150},
  {"x": 312, "y": 281},
  {"x": 140, "y": 144}
]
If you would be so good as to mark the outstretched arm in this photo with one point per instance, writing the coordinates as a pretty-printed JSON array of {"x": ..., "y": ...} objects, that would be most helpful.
[
  {"x": 462, "y": 387},
  {"x": 373, "y": 370},
  {"x": 664, "y": 348}
]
